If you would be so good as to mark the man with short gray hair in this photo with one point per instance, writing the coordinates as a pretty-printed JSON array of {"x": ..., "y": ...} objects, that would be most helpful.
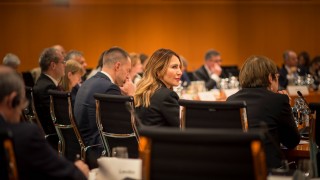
[
  {"x": 52, "y": 66},
  {"x": 11, "y": 60},
  {"x": 211, "y": 70}
]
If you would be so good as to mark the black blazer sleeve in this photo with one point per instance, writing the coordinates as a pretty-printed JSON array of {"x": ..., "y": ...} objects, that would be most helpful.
[
  {"x": 201, "y": 74},
  {"x": 288, "y": 132},
  {"x": 37, "y": 160},
  {"x": 171, "y": 109}
]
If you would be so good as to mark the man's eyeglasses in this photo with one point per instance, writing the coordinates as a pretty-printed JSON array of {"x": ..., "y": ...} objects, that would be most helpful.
[{"x": 62, "y": 62}]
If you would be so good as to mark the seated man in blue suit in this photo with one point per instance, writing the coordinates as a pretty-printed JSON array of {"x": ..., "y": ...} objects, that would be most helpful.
[
  {"x": 112, "y": 79},
  {"x": 34, "y": 156}
]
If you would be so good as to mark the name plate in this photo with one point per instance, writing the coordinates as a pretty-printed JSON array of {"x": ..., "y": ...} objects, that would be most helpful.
[
  {"x": 207, "y": 96},
  {"x": 230, "y": 92},
  {"x": 118, "y": 168},
  {"x": 292, "y": 90}
]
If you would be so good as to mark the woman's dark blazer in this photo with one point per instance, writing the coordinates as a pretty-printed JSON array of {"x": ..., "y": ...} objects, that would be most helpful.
[
  {"x": 164, "y": 109},
  {"x": 274, "y": 110}
]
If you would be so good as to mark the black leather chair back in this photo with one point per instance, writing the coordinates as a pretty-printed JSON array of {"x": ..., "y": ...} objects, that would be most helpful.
[
  {"x": 201, "y": 154},
  {"x": 61, "y": 112},
  {"x": 214, "y": 114},
  {"x": 115, "y": 123}
]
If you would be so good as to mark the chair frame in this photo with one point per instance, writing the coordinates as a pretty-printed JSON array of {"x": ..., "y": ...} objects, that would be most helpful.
[
  {"x": 106, "y": 97},
  {"x": 213, "y": 105},
  {"x": 313, "y": 147},
  {"x": 34, "y": 117},
  {"x": 8, "y": 149},
  {"x": 146, "y": 142},
  {"x": 73, "y": 125}
]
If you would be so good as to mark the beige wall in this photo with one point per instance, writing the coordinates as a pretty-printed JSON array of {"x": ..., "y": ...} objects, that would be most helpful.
[{"x": 236, "y": 29}]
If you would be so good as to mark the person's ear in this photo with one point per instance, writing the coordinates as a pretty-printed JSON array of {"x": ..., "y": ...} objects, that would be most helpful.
[
  {"x": 69, "y": 75},
  {"x": 52, "y": 65},
  {"x": 270, "y": 78},
  {"x": 117, "y": 66},
  {"x": 13, "y": 100}
]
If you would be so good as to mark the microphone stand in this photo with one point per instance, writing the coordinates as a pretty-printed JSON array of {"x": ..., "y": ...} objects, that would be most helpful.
[{"x": 304, "y": 132}]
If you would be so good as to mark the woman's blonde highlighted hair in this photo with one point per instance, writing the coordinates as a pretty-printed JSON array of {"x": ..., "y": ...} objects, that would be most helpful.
[
  {"x": 154, "y": 71},
  {"x": 74, "y": 67}
]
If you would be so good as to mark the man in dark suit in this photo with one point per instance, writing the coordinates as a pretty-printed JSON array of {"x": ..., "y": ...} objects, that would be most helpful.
[
  {"x": 52, "y": 69},
  {"x": 211, "y": 71},
  {"x": 34, "y": 156},
  {"x": 290, "y": 70},
  {"x": 267, "y": 107},
  {"x": 112, "y": 79}
]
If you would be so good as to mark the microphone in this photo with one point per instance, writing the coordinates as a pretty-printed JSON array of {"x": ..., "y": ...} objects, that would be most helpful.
[
  {"x": 304, "y": 131},
  {"x": 300, "y": 95}
]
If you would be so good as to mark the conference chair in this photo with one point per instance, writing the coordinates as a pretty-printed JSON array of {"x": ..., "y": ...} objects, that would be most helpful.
[
  {"x": 8, "y": 166},
  {"x": 27, "y": 78},
  {"x": 71, "y": 143},
  {"x": 29, "y": 112},
  {"x": 314, "y": 139},
  {"x": 116, "y": 125},
  {"x": 213, "y": 114},
  {"x": 169, "y": 153}
]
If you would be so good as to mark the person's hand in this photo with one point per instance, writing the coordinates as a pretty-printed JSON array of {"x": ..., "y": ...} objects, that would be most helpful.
[
  {"x": 128, "y": 88},
  {"x": 83, "y": 167},
  {"x": 293, "y": 70},
  {"x": 216, "y": 69},
  {"x": 286, "y": 93}
]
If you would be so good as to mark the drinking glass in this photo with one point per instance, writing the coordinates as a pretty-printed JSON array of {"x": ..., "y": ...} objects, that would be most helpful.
[
  {"x": 304, "y": 166},
  {"x": 120, "y": 152}
]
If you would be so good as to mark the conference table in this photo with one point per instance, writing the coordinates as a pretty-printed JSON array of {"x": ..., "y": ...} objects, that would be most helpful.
[
  {"x": 299, "y": 152},
  {"x": 312, "y": 97}
]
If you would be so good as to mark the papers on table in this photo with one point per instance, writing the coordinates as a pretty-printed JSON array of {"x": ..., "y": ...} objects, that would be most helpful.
[
  {"x": 112, "y": 168},
  {"x": 292, "y": 90}
]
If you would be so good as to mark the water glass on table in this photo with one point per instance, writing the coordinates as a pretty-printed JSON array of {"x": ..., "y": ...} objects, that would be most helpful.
[{"x": 120, "y": 152}]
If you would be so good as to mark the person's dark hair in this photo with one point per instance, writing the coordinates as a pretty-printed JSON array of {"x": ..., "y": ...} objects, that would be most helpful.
[
  {"x": 305, "y": 56},
  {"x": 255, "y": 72},
  {"x": 114, "y": 55},
  {"x": 73, "y": 53},
  {"x": 10, "y": 81},
  {"x": 286, "y": 55},
  {"x": 143, "y": 57},
  {"x": 100, "y": 60},
  {"x": 47, "y": 56},
  {"x": 316, "y": 59},
  {"x": 210, "y": 54}
]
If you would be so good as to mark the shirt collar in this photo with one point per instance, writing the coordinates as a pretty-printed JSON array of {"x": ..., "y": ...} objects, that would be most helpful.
[
  {"x": 108, "y": 75},
  {"x": 54, "y": 81},
  {"x": 207, "y": 69}
]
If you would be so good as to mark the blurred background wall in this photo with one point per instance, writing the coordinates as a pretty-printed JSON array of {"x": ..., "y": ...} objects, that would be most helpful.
[{"x": 237, "y": 29}]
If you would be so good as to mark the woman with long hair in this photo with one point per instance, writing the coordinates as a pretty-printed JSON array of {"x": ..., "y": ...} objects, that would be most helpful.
[
  {"x": 155, "y": 101},
  {"x": 70, "y": 81}
]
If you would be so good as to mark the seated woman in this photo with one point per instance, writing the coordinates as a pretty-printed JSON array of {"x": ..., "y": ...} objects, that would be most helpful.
[
  {"x": 70, "y": 81},
  {"x": 266, "y": 106},
  {"x": 136, "y": 68},
  {"x": 155, "y": 101}
]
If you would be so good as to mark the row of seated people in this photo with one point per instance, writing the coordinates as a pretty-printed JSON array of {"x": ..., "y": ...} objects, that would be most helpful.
[
  {"x": 157, "y": 105},
  {"x": 40, "y": 160},
  {"x": 165, "y": 84}
]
